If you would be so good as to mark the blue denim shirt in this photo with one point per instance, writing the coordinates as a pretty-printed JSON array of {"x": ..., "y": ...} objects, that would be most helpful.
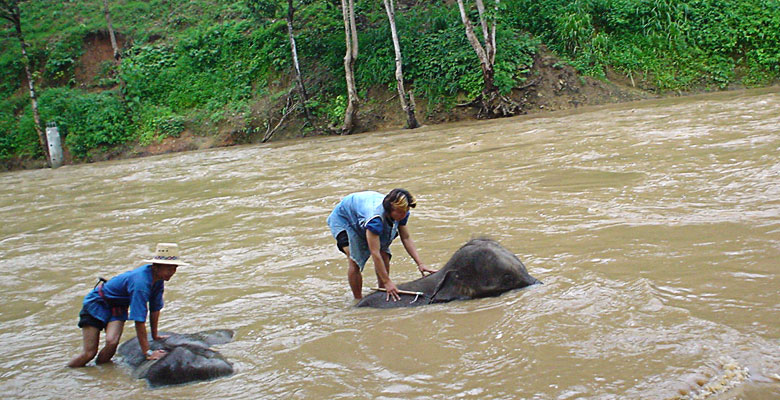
[
  {"x": 132, "y": 288},
  {"x": 352, "y": 214}
]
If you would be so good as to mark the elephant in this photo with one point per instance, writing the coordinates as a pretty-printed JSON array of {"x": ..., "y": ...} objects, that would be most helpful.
[
  {"x": 188, "y": 358},
  {"x": 480, "y": 268}
]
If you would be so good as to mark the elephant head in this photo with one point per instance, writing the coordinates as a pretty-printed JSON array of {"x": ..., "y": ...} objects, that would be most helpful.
[{"x": 189, "y": 358}]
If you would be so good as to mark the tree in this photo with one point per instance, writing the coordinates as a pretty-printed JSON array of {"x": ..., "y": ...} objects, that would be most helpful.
[
  {"x": 407, "y": 104},
  {"x": 9, "y": 10},
  {"x": 294, "y": 50},
  {"x": 268, "y": 9},
  {"x": 350, "y": 31},
  {"x": 111, "y": 30},
  {"x": 492, "y": 102}
]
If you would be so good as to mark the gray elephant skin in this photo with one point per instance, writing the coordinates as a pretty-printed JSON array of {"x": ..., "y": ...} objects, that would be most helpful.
[
  {"x": 480, "y": 268},
  {"x": 188, "y": 358}
]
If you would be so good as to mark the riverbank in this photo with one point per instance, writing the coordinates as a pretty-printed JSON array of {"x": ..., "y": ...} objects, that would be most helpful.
[
  {"x": 205, "y": 73},
  {"x": 552, "y": 86}
]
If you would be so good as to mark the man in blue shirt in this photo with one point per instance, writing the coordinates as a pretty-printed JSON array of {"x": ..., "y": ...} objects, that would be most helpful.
[
  {"x": 364, "y": 224},
  {"x": 107, "y": 305}
]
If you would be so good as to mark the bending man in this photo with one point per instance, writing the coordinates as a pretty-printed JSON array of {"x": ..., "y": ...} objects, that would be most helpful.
[
  {"x": 364, "y": 224},
  {"x": 106, "y": 307}
]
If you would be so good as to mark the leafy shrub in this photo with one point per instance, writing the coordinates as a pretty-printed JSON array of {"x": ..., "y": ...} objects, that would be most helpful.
[
  {"x": 61, "y": 58},
  {"x": 158, "y": 123},
  {"x": 209, "y": 69},
  {"x": 575, "y": 30},
  {"x": 335, "y": 109},
  {"x": 441, "y": 64},
  {"x": 676, "y": 44},
  {"x": 85, "y": 120},
  {"x": 12, "y": 71},
  {"x": 15, "y": 141},
  {"x": 514, "y": 58}
]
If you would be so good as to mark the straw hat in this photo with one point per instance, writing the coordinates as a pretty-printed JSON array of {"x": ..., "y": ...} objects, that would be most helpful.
[{"x": 167, "y": 253}]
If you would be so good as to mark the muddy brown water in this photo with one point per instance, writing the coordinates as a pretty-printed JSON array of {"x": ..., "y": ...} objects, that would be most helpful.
[{"x": 655, "y": 227}]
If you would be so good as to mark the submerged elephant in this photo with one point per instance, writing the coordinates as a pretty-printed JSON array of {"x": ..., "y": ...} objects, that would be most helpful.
[
  {"x": 481, "y": 268},
  {"x": 188, "y": 358}
]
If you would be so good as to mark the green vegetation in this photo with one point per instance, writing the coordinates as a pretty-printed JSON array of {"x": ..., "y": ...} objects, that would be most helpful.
[
  {"x": 194, "y": 65},
  {"x": 670, "y": 44}
]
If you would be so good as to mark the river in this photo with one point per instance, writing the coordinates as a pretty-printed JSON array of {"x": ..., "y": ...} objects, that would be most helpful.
[{"x": 655, "y": 227}]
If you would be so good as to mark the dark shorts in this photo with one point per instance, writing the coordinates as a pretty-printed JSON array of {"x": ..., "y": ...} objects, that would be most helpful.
[
  {"x": 86, "y": 318},
  {"x": 342, "y": 241}
]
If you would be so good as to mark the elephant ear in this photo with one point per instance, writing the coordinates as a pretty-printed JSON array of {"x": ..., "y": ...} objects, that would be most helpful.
[{"x": 447, "y": 289}]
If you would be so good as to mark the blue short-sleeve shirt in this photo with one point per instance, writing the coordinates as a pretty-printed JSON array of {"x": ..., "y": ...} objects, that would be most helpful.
[
  {"x": 133, "y": 289},
  {"x": 375, "y": 224},
  {"x": 353, "y": 214}
]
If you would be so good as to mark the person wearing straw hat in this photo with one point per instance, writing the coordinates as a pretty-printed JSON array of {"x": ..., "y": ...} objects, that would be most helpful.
[
  {"x": 131, "y": 295},
  {"x": 364, "y": 224}
]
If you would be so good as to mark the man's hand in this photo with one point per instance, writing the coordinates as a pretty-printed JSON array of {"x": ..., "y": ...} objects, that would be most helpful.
[
  {"x": 392, "y": 291},
  {"x": 156, "y": 355},
  {"x": 423, "y": 269}
]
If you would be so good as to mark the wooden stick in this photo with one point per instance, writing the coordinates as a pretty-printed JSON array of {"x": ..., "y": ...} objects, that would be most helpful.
[{"x": 381, "y": 289}]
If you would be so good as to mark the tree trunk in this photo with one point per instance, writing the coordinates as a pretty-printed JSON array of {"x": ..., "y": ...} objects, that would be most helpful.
[
  {"x": 493, "y": 104},
  {"x": 294, "y": 50},
  {"x": 111, "y": 30},
  {"x": 12, "y": 13},
  {"x": 34, "y": 99},
  {"x": 488, "y": 35},
  {"x": 350, "y": 30},
  {"x": 485, "y": 53},
  {"x": 407, "y": 106}
]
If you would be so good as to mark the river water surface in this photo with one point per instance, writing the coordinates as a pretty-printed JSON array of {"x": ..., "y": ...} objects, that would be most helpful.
[{"x": 655, "y": 227}]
